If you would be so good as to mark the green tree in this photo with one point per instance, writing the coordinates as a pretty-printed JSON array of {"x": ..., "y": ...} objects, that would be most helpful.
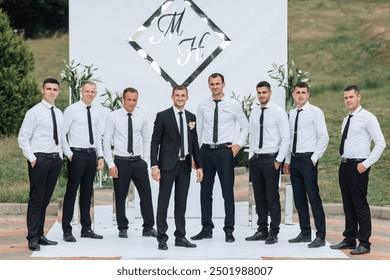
[
  {"x": 37, "y": 18},
  {"x": 18, "y": 90}
]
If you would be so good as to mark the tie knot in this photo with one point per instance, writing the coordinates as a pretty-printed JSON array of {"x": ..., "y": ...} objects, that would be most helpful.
[
  {"x": 263, "y": 108},
  {"x": 216, "y": 101},
  {"x": 350, "y": 116},
  {"x": 180, "y": 113},
  {"x": 299, "y": 110},
  {"x": 88, "y": 107},
  {"x": 129, "y": 114}
]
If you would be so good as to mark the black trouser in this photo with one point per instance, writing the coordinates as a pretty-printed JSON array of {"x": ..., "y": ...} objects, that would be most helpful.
[
  {"x": 180, "y": 175},
  {"x": 138, "y": 172},
  {"x": 43, "y": 178},
  {"x": 219, "y": 161},
  {"x": 353, "y": 186},
  {"x": 304, "y": 178},
  {"x": 265, "y": 181},
  {"x": 81, "y": 171}
]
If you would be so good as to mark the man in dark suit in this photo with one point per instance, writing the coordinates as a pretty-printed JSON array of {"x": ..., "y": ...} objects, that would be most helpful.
[{"x": 174, "y": 144}]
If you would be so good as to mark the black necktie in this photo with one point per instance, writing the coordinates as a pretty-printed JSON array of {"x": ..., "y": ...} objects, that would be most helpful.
[
  {"x": 344, "y": 136},
  {"x": 215, "y": 127},
  {"x": 261, "y": 127},
  {"x": 55, "y": 133},
  {"x": 294, "y": 148},
  {"x": 130, "y": 135},
  {"x": 181, "y": 135},
  {"x": 89, "y": 125}
]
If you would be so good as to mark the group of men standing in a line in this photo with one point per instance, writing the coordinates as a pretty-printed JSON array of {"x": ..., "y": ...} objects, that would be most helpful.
[{"x": 299, "y": 140}]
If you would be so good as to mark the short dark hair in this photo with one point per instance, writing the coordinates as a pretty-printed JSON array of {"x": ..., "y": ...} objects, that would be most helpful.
[
  {"x": 129, "y": 89},
  {"x": 264, "y": 84},
  {"x": 89, "y": 83},
  {"x": 353, "y": 87},
  {"x": 216, "y": 75},
  {"x": 302, "y": 85},
  {"x": 50, "y": 81},
  {"x": 179, "y": 87}
]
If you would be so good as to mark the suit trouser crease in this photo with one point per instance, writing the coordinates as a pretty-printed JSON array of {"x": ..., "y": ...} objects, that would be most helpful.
[
  {"x": 354, "y": 187},
  {"x": 180, "y": 177},
  {"x": 265, "y": 181},
  {"x": 43, "y": 178},
  {"x": 81, "y": 172},
  {"x": 136, "y": 171},
  {"x": 304, "y": 178},
  {"x": 221, "y": 162}
]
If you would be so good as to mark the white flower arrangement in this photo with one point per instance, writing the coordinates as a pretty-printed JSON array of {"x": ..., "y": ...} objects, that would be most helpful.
[{"x": 191, "y": 125}]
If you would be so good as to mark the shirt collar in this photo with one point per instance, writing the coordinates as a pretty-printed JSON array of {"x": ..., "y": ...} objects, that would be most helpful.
[
  {"x": 47, "y": 104},
  {"x": 176, "y": 111},
  {"x": 356, "y": 111}
]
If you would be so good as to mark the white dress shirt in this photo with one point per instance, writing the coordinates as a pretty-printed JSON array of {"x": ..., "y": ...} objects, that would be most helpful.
[
  {"x": 36, "y": 132},
  {"x": 363, "y": 128},
  {"x": 276, "y": 131},
  {"x": 116, "y": 133},
  {"x": 177, "y": 116},
  {"x": 229, "y": 114},
  {"x": 312, "y": 132},
  {"x": 76, "y": 129}
]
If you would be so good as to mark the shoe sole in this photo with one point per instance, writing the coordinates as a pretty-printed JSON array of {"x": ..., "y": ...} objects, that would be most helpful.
[
  {"x": 205, "y": 237},
  {"x": 343, "y": 248},
  {"x": 261, "y": 239},
  {"x": 34, "y": 249},
  {"x": 47, "y": 244},
  {"x": 87, "y": 236},
  {"x": 301, "y": 241},
  {"x": 317, "y": 246},
  {"x": 182, "y": 245},
  {"x": 355, "y": 254}
]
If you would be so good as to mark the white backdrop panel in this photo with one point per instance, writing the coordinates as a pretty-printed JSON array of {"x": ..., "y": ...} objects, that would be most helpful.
[{"x": 100, "y": 29}]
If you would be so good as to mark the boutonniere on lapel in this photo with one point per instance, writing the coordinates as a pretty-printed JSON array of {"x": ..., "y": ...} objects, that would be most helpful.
[{"x": 191, "y": 125}]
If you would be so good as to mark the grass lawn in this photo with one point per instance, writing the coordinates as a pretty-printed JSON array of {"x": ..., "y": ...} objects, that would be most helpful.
[{"x": 339, "y": 42}]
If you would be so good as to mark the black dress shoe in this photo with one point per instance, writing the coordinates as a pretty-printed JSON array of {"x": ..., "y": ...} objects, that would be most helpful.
[
  {"x": 183, "y": 242},
  {"x": 317, "y": 242},
  {"x": 300, "y": 238},
  {"x": 33, "y": 245},
  {"x": 162, "y": 245},
  {"x": 68, "y": 237},
  {"x": 272, "y": 239},
  {"x": 257, "y": 236},
  {"x": 344, "y": 245},
  {"x": 44, "y": 241},
  {"x": 203, "y": 235},
  {"x": 229, "y": 237},
  {"x": 123, "y": 233},
  {"x": 360, "y": 250},
  {"x": 90, "y": 234},
  {"x": 149, "y": 233}
]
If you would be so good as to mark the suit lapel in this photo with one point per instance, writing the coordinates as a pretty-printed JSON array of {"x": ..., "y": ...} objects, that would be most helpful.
[{"x": 173, "y": 120}]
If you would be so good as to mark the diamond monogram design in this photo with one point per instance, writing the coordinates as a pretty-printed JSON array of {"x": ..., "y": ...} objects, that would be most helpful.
[{"x": 179, "y": 41}]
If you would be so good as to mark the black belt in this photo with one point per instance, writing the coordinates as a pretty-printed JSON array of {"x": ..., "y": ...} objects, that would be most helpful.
[
  {"x": 349, "y": 160},
  {"x": 302, "y": 154},
  {"x": 134, "y": 158},
  {"x": 48, "y": 155},
  {"x": 85, "y": 150},
  {"x": 265, "y": 155},
  {"x": 217, "y": 146}
]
